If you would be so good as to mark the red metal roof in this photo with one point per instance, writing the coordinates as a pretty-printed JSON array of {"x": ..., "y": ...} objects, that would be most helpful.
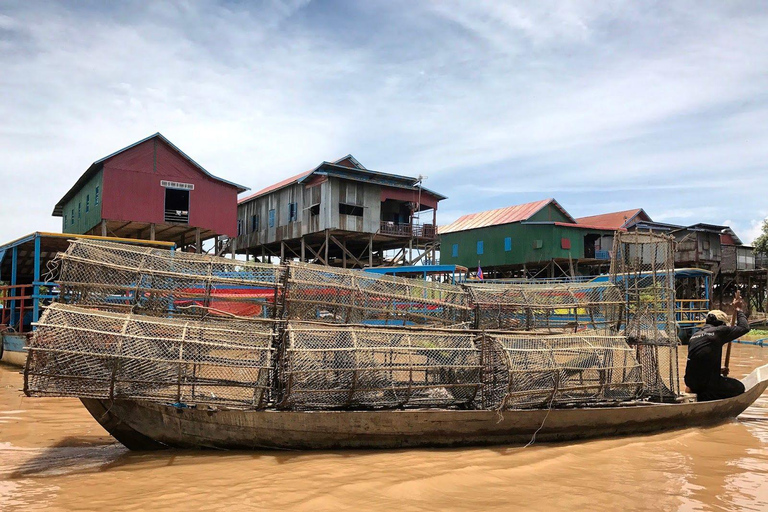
[
  {"x": 586, "y": 226},
  {"x": 613, "y": 220},
  {"x": 506, "y": 215},
  {"x": 275, "y": 186}
]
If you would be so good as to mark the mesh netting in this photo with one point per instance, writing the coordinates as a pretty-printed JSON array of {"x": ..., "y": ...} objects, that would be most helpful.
[
  {"x": 334, "y": 295},
  {"x": 160, "y": 282},
  {"x": 98, "y": 354},
  {"x": 560, "y": 307},
  {"x": 348, "y": 367},
  {"x": 549, "y": 371},
  {"x": 643, "y": 267}
]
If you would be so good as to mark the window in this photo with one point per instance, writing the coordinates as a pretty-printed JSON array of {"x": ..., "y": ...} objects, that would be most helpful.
[
  {"x": 455, "y": 250},
  {"x": 292, "y": 212},
  {"x": 479, "y": 247},
  {"x": 96, "y": 197},
  {"x": 254, "y": 223},
  {"x": 272, "y": 218},
  {"x": 87, "y": 203},
  {"x": 565, "y": 243},
  {"x": 239, "y": 227},
  {"x": 72, "y": 219},
  {"x": 314, "y": 210},
  {"x": 79, "y": 209},
  {"x": 508, "y": 244},
  {"x": 350, "y": 209},
  {"x": 538, "y": 244},
  {"x": 65, "y": 220}
]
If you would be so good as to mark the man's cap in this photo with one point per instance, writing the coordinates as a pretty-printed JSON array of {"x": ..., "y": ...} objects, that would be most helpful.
[{"x": 719, "y": 315}]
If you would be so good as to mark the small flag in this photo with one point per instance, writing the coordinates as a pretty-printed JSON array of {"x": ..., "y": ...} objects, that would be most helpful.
[{"x": 479, "y": 273}]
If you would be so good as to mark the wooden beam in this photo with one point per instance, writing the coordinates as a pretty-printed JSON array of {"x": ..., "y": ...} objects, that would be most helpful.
[
  {"x": 346, "y": 252},
  {"x": 303, "y": 250},
  {"x": 152, "y": 231},
  {"x": 103, "y": 227},
  {"x": 327, "y": 234},
  {"x": 198, "y": 242}
]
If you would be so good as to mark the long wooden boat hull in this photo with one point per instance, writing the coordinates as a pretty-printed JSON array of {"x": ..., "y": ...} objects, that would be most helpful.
[{"x": 144, "y": 425}]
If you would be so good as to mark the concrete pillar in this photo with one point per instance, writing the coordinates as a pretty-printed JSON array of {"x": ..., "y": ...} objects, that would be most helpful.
[
  {"x": 103, "y": 227},
  {"x": 152, "y": 232}
]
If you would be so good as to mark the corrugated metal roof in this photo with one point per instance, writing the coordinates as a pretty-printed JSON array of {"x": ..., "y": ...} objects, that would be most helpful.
[
  {"x": 499, "y": 216},
  {"x": 276, "y": 186},
  {"x": 358, "y": 172},
  {"x": 614, "y": 220}
]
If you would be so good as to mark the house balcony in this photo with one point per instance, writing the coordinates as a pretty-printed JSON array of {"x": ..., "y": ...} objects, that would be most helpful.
[{"x": 408, "y": 230}]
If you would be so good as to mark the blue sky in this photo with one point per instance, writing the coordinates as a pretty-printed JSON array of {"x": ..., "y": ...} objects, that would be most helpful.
[{"x": 603, "y": 105}]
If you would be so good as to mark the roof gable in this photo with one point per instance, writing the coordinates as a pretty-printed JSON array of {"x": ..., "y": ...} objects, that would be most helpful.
[
  {"x": 616, "y": 220},
  {"x": 499, "y": 216},
  {"x": 98, "y": 165},
  {"x": 347, "y": 168}
]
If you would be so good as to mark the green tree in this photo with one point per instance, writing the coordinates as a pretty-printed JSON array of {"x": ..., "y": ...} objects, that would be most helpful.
[{"x": 761, "y": 242}]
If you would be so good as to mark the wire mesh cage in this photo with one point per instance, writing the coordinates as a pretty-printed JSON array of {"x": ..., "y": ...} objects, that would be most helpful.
[
  {"x": 530, "y": 372},
  {"x": 161, "y": 282},
  {"x": 643, "y": 267},
  {"x": 356, "y": 367},
  {"x": 559, "y": 307},
  {"x": 344, "y": 296},
  {"x": 99, "y": 354}
]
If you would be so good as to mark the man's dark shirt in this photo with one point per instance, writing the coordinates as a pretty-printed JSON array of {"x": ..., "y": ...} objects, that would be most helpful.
[{"x": 705, "y": 352}]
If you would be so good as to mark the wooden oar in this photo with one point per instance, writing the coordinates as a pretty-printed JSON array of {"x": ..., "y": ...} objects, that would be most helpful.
[{"x": 736, "y": 299}]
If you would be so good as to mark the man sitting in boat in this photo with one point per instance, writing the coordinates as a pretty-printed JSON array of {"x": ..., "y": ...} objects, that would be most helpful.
[{"x": 703, "y": 374}]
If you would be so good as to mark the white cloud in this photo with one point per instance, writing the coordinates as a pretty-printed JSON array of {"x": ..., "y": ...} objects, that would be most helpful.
[{"x": 611, "y": 105}]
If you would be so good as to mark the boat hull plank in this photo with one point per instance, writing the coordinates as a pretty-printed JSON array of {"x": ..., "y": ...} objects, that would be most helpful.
[{"x": 144, "y": 425}]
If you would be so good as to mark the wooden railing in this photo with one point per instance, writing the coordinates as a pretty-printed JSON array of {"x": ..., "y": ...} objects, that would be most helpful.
[
  {"x": 15, "y": 300},
  {"x": 408, "y": 230}
]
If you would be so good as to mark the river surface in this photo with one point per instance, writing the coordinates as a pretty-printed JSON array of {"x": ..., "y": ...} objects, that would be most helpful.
[{"x": 54, "y": 456}]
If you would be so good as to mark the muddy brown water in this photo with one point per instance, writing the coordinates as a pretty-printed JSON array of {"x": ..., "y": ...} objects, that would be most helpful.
[{"x": 54, "y": 456}]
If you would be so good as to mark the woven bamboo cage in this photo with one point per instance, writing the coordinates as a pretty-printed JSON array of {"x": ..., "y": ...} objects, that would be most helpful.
[
  {"x": 524, "y": 371},
  {"x": 100, "y": 354},
  {"x": 643, "y": 268},
  {"x": 160, "y": 282},
  {"x": 356, "y": 367},
  {"x": 547, "y": 308},
  {"x": 344, "y": 296}
]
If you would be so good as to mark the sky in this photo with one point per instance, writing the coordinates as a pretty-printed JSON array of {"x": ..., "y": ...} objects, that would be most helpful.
[{"x": 603, "y": 105}]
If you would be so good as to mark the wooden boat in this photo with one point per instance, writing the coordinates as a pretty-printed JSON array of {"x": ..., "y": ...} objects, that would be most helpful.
[{"x": 146, "y": 426}]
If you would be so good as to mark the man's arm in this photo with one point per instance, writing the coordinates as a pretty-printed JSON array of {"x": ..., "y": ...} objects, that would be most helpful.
[{"x": 727, "y": 333}]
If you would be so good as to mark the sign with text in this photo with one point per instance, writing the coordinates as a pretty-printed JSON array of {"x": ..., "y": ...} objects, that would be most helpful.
[{"x": 176, "y": 184}]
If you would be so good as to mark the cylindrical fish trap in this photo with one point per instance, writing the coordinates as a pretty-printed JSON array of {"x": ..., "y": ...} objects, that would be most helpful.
[
  {"x": 160, "y": 282},
  {"x": 533, "y": 372},
  {"x": 344, "y": 296},
  {"x": 550, "y": 308},
  {"x": 327, "y": 367},
  {"x": 99, "y": 354}
]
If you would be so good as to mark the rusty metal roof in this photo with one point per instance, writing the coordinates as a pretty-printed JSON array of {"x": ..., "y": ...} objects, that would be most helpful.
[
  {"x": 499, "y": 216},
  {"x": 614, "y": 220}
]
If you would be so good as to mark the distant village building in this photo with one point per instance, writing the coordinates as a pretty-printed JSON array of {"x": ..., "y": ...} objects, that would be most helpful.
[
  {"x": 539, "y": 238},
  {"x": 150, "y": 190},
  {"x": 341, "y": 214},
  {"x": 624, "y": 219}
]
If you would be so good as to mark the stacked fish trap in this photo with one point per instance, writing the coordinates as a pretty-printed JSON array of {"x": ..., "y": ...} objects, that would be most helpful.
[
  {"x": 642, "y": 267},
  {"x": 546, "y": 308},
  {"x": 171, "y": 327},
  {"x": 101, "y": 354},
  {"x": 159, "y": 282},
  {"x": 343, "y": 296},
  {"x": 363, "y": 367}
]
